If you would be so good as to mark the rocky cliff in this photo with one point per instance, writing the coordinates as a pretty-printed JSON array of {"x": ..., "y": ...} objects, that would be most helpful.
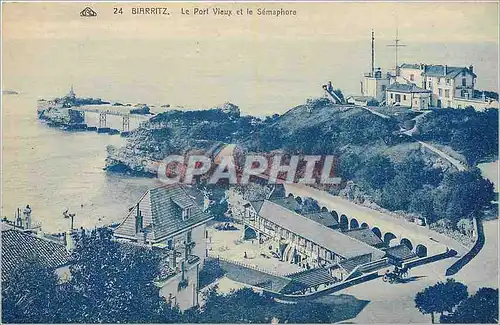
[{"x": 57, "y": 115}]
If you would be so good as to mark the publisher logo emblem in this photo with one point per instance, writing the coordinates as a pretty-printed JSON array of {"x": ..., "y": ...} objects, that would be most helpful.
[{"x": 88, "y": 12}]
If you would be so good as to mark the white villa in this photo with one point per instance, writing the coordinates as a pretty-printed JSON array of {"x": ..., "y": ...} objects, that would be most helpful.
[
  {"x": 420, "y": 86},
  {"x": 449, "y": 86}
]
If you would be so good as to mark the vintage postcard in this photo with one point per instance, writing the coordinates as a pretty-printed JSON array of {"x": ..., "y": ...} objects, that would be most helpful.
[{"x": 249, "y": 162}]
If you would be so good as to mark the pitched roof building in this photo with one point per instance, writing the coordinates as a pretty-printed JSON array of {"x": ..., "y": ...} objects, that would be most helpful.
[
  {"x": 19, "y": 247},
  {"x": 450, "y": 86},
  {"x": 409, "y": 95},
  {"x": 304, "y": 235},
  {"x": 170, "y": 218},
  {"x": 161, "y": 213}
]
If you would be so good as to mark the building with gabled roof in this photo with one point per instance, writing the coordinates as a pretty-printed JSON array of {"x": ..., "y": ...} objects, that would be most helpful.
[
  {"x": 399, "y": 253},
  {"x": 161, "y": 213},
  {"x": 448, "y": 85},
  {"x": 171, "y": 219},
  {"x": 409, "y": 95},
  {"x": 19, "y": 247},
  {"x": 302, "y": 239}
]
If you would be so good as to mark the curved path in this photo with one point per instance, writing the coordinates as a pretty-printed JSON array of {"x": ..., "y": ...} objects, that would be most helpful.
[{"x": 458, "y": 165}]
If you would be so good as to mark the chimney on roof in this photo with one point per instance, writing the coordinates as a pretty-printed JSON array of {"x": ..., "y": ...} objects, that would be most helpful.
[
  {"x": 471, "y": 68},
  {"x": 68, "y": 241},
  {"x": 139, "y": 223},
  {"x": 27, "y": 217},
  {"x": 19, "y": 220}
]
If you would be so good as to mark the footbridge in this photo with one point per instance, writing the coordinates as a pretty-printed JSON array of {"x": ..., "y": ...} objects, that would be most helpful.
[
  {"x": 104, "y": 112},
  {"x": 391, "y": 230}
]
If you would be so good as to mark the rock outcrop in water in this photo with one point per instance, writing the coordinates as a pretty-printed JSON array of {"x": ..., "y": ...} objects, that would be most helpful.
[
  {"x": 179, "y": 132},
  {"x": 58, "y": 112}
]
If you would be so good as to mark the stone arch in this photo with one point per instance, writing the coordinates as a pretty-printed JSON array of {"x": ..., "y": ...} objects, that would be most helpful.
[
  {"x": 377, "y": 232},
  {"x": 364, "y": 225},
  {"x": 421, "y": 250},
  {"x": 344, "y": 222},
  {"x": 249, "y": 233},
  {"x": 335, "y": 215},
  {"x": 298, "y": 199},
  {"x": 407, "y": 243},
  {"x": 353, "y": 224},
  {"x": 388, "y": 237},
  {"x": 324, "y": 209}
]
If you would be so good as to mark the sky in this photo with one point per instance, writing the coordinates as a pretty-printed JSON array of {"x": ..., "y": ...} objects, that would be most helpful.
[
  {"x": 264, "y": 64},
  {"x": 418, "y": 22}
]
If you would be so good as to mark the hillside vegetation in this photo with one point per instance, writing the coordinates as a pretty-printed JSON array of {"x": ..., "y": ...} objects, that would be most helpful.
[
  {"x": 473, "y": 134},
  {"x": 375, "y": 161}
]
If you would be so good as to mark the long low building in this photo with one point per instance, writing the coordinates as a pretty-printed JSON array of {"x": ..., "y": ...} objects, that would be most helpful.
[{"x": 299, "y": 239}]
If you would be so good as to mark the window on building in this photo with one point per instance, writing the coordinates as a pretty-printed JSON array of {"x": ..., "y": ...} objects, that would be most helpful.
[
  {"x": 392, "y": 95},
  {"x": 170, "y": 244},
  {"x": 429, "y": 84},
  {"x": 439, "y": 81},
  {"x": 447, "y": 81},
  {"x": 412, "y": 77},
  {"x": 464, "y": 82},
  {"x": 464, "y": 73},
  {"x": 404, "y": 97},
  {"x": 384, "y": 87},
  {"x": 186, "y": 213},
  {"x": 440, "y": 92},
  {"x": 189, "y": 236},
  {"x": 447, "y": 93}
]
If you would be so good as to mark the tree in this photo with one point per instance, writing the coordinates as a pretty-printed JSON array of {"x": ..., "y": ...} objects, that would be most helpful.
[
  {"x": 218, "y": 210},
  {"x": 113, "y": 283},
  {"x": 246, "y": 306},
  {"x": 396, "y": 194},
  {"x": 348, "y": 165},
  {"x": 422, "y": 202},
  {"x": 461, "y": 194},
  {"x": 29, "y": 294},
  {"x": 482, "y": 307},
  {"x": 440, "y": 297},
  {"x": 377, "y": 171},
  {"x": 466, "y": 226}
]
